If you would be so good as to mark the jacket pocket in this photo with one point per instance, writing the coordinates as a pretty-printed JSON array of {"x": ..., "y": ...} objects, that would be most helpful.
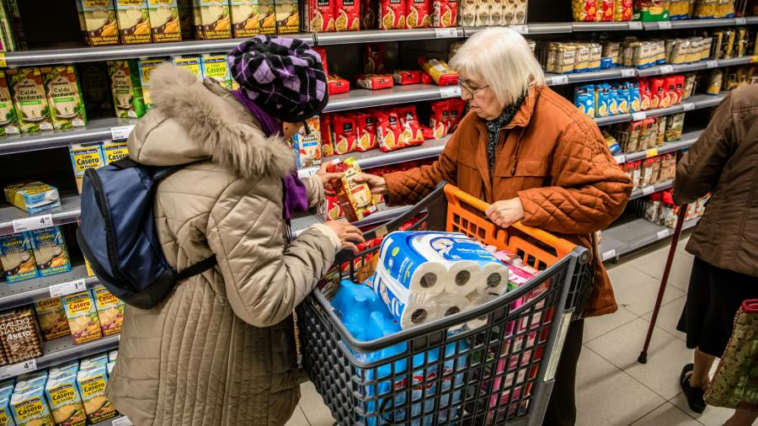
[
  {"x": 527, "y": 174},
  {"x": 532, "y": 168}
]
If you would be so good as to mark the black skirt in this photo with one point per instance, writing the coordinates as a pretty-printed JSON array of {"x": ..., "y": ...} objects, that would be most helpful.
[{"x": 713, "y": 298}]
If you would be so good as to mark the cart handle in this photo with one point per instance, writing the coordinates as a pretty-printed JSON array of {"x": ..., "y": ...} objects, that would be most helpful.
[{"x": 559, "y": 243}]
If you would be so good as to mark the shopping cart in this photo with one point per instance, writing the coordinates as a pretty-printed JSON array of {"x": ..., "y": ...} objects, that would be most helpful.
[{"x": 500, "y": 372}]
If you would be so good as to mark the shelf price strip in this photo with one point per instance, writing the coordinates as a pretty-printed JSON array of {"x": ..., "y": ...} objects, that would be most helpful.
[
  {"x": 121, "y": 133},
  {"x": 663, "y": 234},
  {"x": 65, "y": 289},
  {"x": 18, "y": 369},
  {"x": 610, "y": 254},
  {"x": 32, "y": 223}
]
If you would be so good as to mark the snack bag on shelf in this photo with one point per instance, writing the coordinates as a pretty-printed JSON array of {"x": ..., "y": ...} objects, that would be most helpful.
[
  {"x": 98, "y": 22},
  {"x": 645, "y": 94},
  {"x": 585, "y": 10},
  {"x": 651, "y": 10},
  {"x": 369, "y": 13},
  {"x": 85, "y": 157},
  {"x": 636, "y": 174},
  {"x": 679, "y": 88},
  {"x": 32, "y": 196},
  {"x": 17, "y": 258},
  {"x": 64, "y": 97},
  {"x": 319, "y": 16},
  {"x": 657, "y": 93},
  {"x": 347, "y": 15},
  {"x": 660, "y": 134},
  {"x": 440, "y": 118},
  {"x": 356, "y": 198},
  {"x": 327, "y": 143},
  {"x": 65, "y": 400},
  {"x": 669, "y": 210},
  {"x": 623, "y": 10},
  {"x": 92, "y": 384},
  {"x": 19, "y": 335},
  {"x": 128, "y": 99},
  {"x": 212, "y": 19},
  {"x": 444, "y": 13},
  {"x": 307, "y": 145},
  {"x": 715, "y": 82},
  {"x": 668, "y": 167},
  {"x": 110, "y": 311},
  {"x": 457, "y": 108},
  {"x": 30, "y": 102},
  {"x": 389, "y": 131},
  {"x": 392, "y": 14},
  {"x": 648, "y": 133},
  {"x": 674, "y": 127},
  {"x": 405, "y": 77},
  {"x": 50, "y": 252},
  {"x": 375, "y": 81},
  {"x": 653, "y": 208},
  {"x": 29, "y": 407},
  {"x": 82, "y": 317},
  {"x": 413, "y": 134},
  {"x": 52, "y": 319},
  {"x": 375, "y": 55},
  {"x": 468, "y": 13},
  {"x": 605, "y": 11},
  {"x": 345, "y": 131},
  {"x": 635, "y": 132},
  {"x": 440, "y": 71},
  {"x": 418, "y": 14},
  {"x": 337, "y": 84},
  {"x": 266, "y": 17},
  {"x": 133, "y": 21},
  {"x": 244, "y": 18},
  {"x": 725, "y": 9},
  {"x": 146, "y": 67},
  {"x": 367, "y": 132},
  {"x": 164, "y": 21}
]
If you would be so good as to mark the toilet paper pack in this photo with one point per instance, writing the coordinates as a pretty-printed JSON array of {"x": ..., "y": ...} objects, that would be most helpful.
[
  {"x": 416, "y": 273},
  {"x": 408, "y": 308}
]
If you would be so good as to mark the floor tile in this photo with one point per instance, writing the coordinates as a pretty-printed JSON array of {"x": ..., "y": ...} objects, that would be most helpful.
[
  {"x": 596, "y": 327},
  {"x": 637, "y": 291},
  {"x": 298, "y": 418},
  {"x": 668, "y": 317},
  {"x": 313, "y": 406},
  {"x": 599, "y": 401},
  {"x": 666, "y": 356},
  {"x": 667, "y": 414},
  {"x": 712, "y": 416}
]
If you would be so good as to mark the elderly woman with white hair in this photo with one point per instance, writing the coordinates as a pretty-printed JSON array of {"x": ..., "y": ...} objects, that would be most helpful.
[{"x": 537, "y": 159}]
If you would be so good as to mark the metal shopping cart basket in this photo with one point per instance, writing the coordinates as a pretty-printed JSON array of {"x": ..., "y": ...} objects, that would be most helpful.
[{"x": 445, "y": 372}]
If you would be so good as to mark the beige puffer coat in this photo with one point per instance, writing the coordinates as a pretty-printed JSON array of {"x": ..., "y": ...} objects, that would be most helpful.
[{"x": 220, "y": 350}]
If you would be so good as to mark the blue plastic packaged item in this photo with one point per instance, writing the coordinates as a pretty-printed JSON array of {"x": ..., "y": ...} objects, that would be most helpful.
[
  {"x": 602, "y": 102},
  {"x": 635, "y": 97},
  {"x": 606, "y": 63},
  {"x": 613, "y": 99},
  {"x": 622, "y": 89},
  {"x": 584, "y": 99}
]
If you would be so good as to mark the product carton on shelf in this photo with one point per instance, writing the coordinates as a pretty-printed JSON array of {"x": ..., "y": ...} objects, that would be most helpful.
[
  {"x": 212, "y": 20},
  {"x": 244, "y": 18},
  {"x": 133, "y": 21},
  {"x": 64, "y": 95},
  {"x": 110, "y": 310},
  {"x": 164, "y": 20},
  {"x": 29, "y": 99},
  {"x": 83, "y": 157},
  {"x": 92, "y": 384},
  {"x": 30, "y": 408},
  {"x": 126, "y": 88},
  {"x": 52, "y": 319},
  {"x": 266, "y": 17},
  {"x": 50, "y": 251},
  {"x": 33, "y": 197},
  {"x": 17, "y": 258},
  {"x": 185, "y": 18},
  {"x": 6, "y": 414},
  {"x": 96, "y": 92},
  {"x": 97, "y": 19},
  {"x": 66, "y": 401},
  {"x": 308, "y": 146},
  {"x": 8, "y": 119},
  {"x": 146, "y": 67},
  {"x": 114, "y": 151},
  {"x": 288, "y": 16},
  {"x": 20, "y": 336},
  {"x": 192, "y": 64},
  {"x": 216, "y": 68},
  {"x": 82, "y": 317}
]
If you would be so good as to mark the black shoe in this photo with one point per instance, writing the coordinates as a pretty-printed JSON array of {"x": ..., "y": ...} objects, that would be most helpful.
[{"x": 694, "y": 395}]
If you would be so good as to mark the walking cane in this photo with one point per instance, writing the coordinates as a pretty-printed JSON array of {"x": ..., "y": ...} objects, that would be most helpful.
[{"x": 642, "y": 359}]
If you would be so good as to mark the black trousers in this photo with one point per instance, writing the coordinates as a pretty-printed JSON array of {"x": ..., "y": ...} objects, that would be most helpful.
[{"x": 561, "y": 410}]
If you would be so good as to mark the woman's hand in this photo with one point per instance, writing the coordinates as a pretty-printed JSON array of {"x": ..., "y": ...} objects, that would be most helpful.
[
  {"x": 505, "y": 213},
  {"x": 348, "y": 234},
  {"x": 325, "y": 177},
  {"x": 377, "y": 184}
]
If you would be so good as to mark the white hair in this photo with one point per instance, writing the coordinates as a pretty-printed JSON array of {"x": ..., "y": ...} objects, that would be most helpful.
[{"x": 502, "y": 58}]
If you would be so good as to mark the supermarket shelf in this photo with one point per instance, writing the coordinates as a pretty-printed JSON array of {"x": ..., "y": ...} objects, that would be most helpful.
[
  {"x": 68, "y": 212},
  {"x": 542, "y": 28},
  {"x": 28, "y": 292},
  {"x": 93, "y": 54},
  {"x": 384, "y": 36},
  {"x": 579, "y": 27},
  {"x": 364, "y": 98},
  {"x": 97, "y": 130},
  {"x": 116, "y": 421},
  {"x": 699, "y": 23},
  {"x": 377, "y": 158},
  {"x": 59, "y": 351},
  {"x": 689, "y": 104},
  {"x": 687, "y": 140},
  {"x": 744, "y": 60},
  {"x": 622, "y": 239},
  {"x": 652, "y": 189}
]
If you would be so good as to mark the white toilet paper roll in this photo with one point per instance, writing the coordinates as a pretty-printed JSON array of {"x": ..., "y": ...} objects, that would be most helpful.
[
  {"x": 408, "y": 308},
  {"x": 494, "y": 277},
  {"x": 451, "y": 304},
  {"x": 415, "y": 272}
]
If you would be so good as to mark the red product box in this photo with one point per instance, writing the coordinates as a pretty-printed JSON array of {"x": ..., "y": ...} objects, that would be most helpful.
[
  {"x": 322, "y": 53},
  {"x": 418, "y": 14},
  {"x": 375, "y": 81},
  {"x": 403, "y": 77},
  {"x": 366, "y": 132},
  {"x": 680, "y": 79},
  {"x": 392, "y": 14},
  {"x": 345, "y": 131},
  {"x": 413, "y": 134},
  {"x": 348, "y": 15},
  {"x": 327, "y": 146},
  {"x": 319, "y": 15},
  {"x": 337, "y": 85},
  {"x": 444, "y": 13},
  {"x": 645, "y": 94},
  {"x": 457, "y": 108},
  {"x": 440, "y": 118},
  {"x": 658, "y": 93},
  {"x": 389, "y": 131}
]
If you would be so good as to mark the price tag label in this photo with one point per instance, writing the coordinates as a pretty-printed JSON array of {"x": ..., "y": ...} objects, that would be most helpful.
[
  {"x": 450, "y": 92},
  {"x": 32, "y": 223},
  {"x": 18, "y": 369},
  {"x": 65, "y": 289},
  {"x": 663, "y": 234},
  {"x": 610, "y": 254},
  {"x": 620, "y": 159},
  {"x": 740, "y": 21},
  {"x": 629, "y": 72},
  {"x": 667, "y": 69},
  {"x": 664, "y": 25},
  {"x": 635, "y": 25},
  {"x": 712, "y": 64},
  {"x": 652, "y": 152},
  {"x": 122, "y": 421},
  {"x": 521, "y": 29},
  {"x": 648, "y": 190},
  {"x": 688, "y": 106},
  {"x": 446, "y": 32},
  {"x": 638, "y": 116},
  {"x": 121, "y": 133},
  {"x": 559, "y": 79}
]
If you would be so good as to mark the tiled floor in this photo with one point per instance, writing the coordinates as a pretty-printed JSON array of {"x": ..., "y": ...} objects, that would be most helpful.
[{"x": 613, "y": 389}]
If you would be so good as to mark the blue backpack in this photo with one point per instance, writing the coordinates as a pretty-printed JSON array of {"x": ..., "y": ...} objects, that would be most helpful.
[{"x": 118, "y": 234}]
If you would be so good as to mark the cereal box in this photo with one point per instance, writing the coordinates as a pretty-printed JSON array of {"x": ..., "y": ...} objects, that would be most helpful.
[
  {"x": 29, "y": 99},
  {"x": 8, "y": 119},
  {"x": 126, "y": 88},
  {"x": 212, "y": 20},
  {"x": 348, "y": 15},
  {"x": 52, "y": 319},
  {"x": 98, "y": 21},
  {"x": 308, "y": 146},
  {"x": 50, "y": 251},
  {"x": 19, "y": 335},
  {"x": 30, "y": 408},
  {"x": 266, "y": 17},
  {"x": 146, "y": 67},
  {"x": 133, "y": 21},
  {"x": 33, "y": 197},
  {"x": 92, "y": 384},
  {"x": 164, "y": 20},
  {"x": 244, "y": 17},
  {"x": 82, "y": 317},
  {"x": 110, "y": 310},
  {"x": 114, "y": 151},
  {"x": 216, "y": 68},
  {"x": 444, "y": 13},
  {"x": 392, "y": 14},
  {"x": 85, "y": 157},
  {"x": 64, "y": 97},
  {"x": 17, "y": 257},
  {"x": 287, "y": 16},
  {"x": 319, "y": 16},
  {"x": 66, "y": 401}
]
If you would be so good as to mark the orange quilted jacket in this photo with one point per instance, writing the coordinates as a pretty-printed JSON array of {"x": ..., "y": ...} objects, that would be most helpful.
[{"x": 551, "y": 156}]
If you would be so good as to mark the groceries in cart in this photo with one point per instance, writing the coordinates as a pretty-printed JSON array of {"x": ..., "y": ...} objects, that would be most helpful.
[{"x": 356, "y": 199}]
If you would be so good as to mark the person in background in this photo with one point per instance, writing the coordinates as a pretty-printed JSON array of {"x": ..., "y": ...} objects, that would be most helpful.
[
  {"x": 220, "y": 349},
  {"x": 537, "y": 159},
  {"x": 724, "y": 162}
]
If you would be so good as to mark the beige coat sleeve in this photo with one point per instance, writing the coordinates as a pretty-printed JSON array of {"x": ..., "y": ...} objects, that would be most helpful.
[
  {"x": 265, "y": 278},
  {"x": 316, "y": 194}
]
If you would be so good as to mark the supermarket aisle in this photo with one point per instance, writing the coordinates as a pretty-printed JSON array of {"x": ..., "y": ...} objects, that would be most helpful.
[{"x": 614, "y": 390}]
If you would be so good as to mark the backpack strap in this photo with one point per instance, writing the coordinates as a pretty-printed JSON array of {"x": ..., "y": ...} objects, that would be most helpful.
[{"x": 197, "y": 268}]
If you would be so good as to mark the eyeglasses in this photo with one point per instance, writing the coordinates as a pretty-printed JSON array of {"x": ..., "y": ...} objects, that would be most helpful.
[{"x": 468, "y": 88}]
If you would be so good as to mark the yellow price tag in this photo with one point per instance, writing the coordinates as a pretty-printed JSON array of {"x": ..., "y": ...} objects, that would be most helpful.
[
  {"x": 652, "y": 152},
  {"x": 3, "y": 64}
]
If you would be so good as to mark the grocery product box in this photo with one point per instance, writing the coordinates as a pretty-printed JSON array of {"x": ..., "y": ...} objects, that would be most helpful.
[
  {"x": 66, "y": 401},
  {"x": 82, "y": 317},
  {"x": 95, "y": 361},
  {"x": 97, "y": 19},
  {"x": 6, "y": 388},
  {"x": 110, "y": 311},
  {"x": 112, "y": 356},
  {"x": 114, "y": 151},
  {"x": 146, "y": 67},
  {"x": 50, "y": 251},
  {"x": 36, "y": 379},
  {"x": 8, "y": 119},
  {"x": 212, "y": 20},
  {"x": 17, "y": 257},
  {"x": 61, "y": 370},
  {"x": 216, "y": 68},
  {"x": 244, "y": 17},
  {"x": 191, "y": 64},
  {"x": 356, "y": 198},
  {"x": 128, "y": 100},
  {"x": 92, "y": 385},
  {"x": 93, "y": 81},
  {"x": 185, "y": 18},
  {"x": 64, "y": 97},
  {"x": 288, "y": 16},
  {"x": 164, "y": 20},
  {"x": 19, "y": 335},
  {"x": 29, "y": 408},
  {"x": 85, "y": 157},
  {"x": 29, "y": 99},
  {"x": 266, "y": 17},
  {"x": 133, "y": 21},
  {"x": 348, "y": 15},
  {"x": 33, "y": 197},
  {"x": 308, "y": 146},
  {"x": 319, "y": 16},
  {"x": 6, "y": 416},
  {"x": 392, "y": 14}
]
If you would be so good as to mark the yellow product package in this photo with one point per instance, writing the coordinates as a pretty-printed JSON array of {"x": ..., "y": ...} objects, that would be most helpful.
[
  {"x": 92, "y": 384},
  {"x": 85, "y": 157},
  {"x": 52, "y": 318},
  {"x": 191, "y": 64},
  {"x": 216, "y": 68},
  {"x": 164, "y": 20},
  {"x": 114, "y": 151},
  {"x": 133, "y": 21},
  {"x": 30, "y": 408},
  {"x": 29, "y": 99},
  {"x": 212, "y": 20},
  {"x": 97, "y": 19},
  {"x": 66, "y": 401},
  {"x": 110, "y": 310},
  {"x": 146, "y": 67},
  {"x": 82, "y": 317}
]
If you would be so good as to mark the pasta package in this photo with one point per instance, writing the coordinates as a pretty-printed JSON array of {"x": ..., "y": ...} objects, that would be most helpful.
[
  {"x": 403, "y": 77},
  {"x": 392, "y": 14},
  {"x": 444, "y": 13},
  {"x": 375, "y": 81},
  {"x": 319, "y": 15},
  {"x": 367, "y": 132},
  {"x": 356, "y": 198},
  {"x": 440, "y": 71},
  {"x": 439, "y": 120},
  {"x": 348, "y": 15},
  {"x": 651, "y": 10},
  {"x": 468, "y": 13},
  {"x": 585, "y": 10},
  {"x": 413, "y": 134},
  {"x": 389, "y": 131},
  {"x": 418, "y": 14},
  {"x": 375, "y": 55},
  {"x": 327, "y": 146},
  {"x": 674, "y": 127},
  {"x": 369, "y": 12},
  {"x": 337, "y": 85},
  {"x": 623, "y": 10},
  {"x": 345, "y": 136},
  {"x": 483, "y": 18},
  {"x": 605, "y": 11}
]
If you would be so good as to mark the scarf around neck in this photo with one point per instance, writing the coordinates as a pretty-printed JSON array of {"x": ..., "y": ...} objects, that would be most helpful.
[
  {"x": 294, "y": 192},
  {"x": 494, "y": 127}
]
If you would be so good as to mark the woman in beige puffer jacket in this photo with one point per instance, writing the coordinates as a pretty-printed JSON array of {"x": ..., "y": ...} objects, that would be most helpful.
[{"x": 220, "y": 349}]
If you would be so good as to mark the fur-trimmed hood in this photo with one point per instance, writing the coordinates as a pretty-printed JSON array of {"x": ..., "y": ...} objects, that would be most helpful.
[{"x": 192, "y": 121}]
